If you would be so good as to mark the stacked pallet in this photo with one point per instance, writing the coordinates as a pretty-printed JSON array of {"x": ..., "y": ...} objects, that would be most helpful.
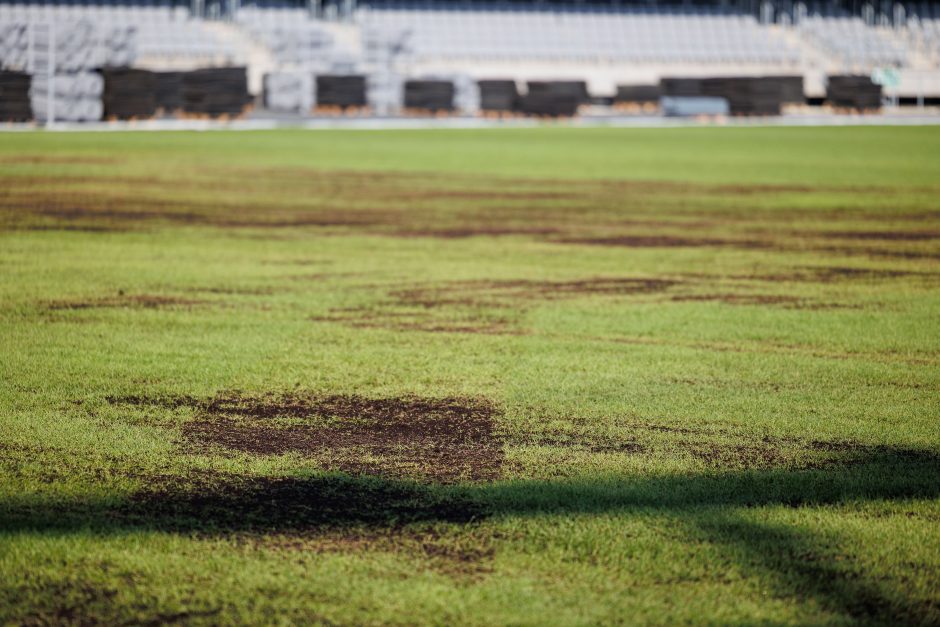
[
  {"x": 128, "y": 94},
  {"x": 637, "y": 94},
  {"x": 289, "y": 91},
  {"x": 168, "y": 91},
  {"x": 791, "y": 88},
  {"x": 429, "y": 95},
  {"x": 466, "y": 91},
  {"x": 15, "y": 103},
  {"x": 681, "y": 87},
  {"x": 216, "y": 92},
  {"x": 746, "y": 95},
  {"x": 498, "y": 95},
  {"x": 554, "y": 98},
  {"x": 73, "y": 97},
  {"x": 344, "y": 91},
  {"x": 853, "y": 92}
]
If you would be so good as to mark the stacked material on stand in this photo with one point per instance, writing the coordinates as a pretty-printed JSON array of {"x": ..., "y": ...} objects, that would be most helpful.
[
  {"x": 216, "y": 92},
  {"x": 690, "y": 106},
  {"x": 854, "y": 92},
  {"x": 466, "y": 92},
  {"x": 791, "y": 88},
  {"x": 554, "y": 98},
  {"x": 128, "y": 94},
  {"x": 75, "y": 97},
  {"x": 341, "y": 90},
  {"x": 289, "y": 91},
  {"x": 638, "y": 94},
  {"x": 15, "y": 105},
  {"x": 746, "y": 95},
  {"x": 680, "y": 87},
  {"x": 498, "y": 95},
  {"x": 429, "y": 95},
  {"x": 168, "y": 91}
]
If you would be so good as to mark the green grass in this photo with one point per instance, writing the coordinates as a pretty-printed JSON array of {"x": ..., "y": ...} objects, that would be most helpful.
[{"x": 701, "y": 369}]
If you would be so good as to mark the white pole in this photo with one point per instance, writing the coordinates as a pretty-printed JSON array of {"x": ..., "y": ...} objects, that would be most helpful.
[{"x": 50, "y": 97}]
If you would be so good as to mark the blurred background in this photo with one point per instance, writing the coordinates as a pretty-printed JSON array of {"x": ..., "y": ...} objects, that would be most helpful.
[{"x": 80, "y": 62}]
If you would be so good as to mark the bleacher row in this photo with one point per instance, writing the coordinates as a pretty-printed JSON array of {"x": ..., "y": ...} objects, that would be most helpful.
[
  {"x": 377, "y": 59},
  {"x": 640, "y": 34},
  {"x": 503, "y": 30},
  {"x": 164, "y": 34}
]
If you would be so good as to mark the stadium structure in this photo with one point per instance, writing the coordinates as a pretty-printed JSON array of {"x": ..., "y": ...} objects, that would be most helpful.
[{"x": 130, "y": 60}]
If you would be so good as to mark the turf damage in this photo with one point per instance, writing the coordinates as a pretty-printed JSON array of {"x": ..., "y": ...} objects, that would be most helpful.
[{"x": 437, "y": 440}]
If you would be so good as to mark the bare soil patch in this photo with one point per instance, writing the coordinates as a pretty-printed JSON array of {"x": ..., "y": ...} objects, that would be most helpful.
[
  {"x": 582, "y": 442},
  {"x": 138, "y": 301},
  {"x": 486, "y": 293},
  {"x": 890, "y": 236},
  {"x": 440, "y": 440},
  {"x": 474, "y": 306},
  {"x": 471, "y": 230},
  {"x": 56, "y": 160},
  {"x": 833, "y": 274},
  {"x": 663, "y": 241},
  {"x": 775, "y": 300}
]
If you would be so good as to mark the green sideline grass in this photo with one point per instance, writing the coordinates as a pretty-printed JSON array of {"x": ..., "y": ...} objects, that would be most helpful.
[{"x": 696, "y": 373}]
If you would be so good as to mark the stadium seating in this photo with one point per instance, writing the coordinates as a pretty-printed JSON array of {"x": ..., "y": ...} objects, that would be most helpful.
[
  {"x": 853, "y": 42},
  {"x": 164, "y": 35},
  {"x": 391, "y": 43},
  {"x": 639, "y": 34}
]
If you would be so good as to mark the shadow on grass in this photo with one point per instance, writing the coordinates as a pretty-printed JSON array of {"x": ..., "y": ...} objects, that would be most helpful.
[{"x": 709, "y": 504}]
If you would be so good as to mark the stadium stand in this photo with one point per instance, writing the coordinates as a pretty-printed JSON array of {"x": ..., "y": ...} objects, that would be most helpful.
[
  {"x": 165, "y": 36},
  {"x": 619, "y": 51},
  {"x": 503, "y": 31},
  {"x": 853, "y": 42},
  {"x": 289, "y": 91}
]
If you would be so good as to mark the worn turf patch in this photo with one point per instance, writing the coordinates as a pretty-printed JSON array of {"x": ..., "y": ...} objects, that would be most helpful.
[{"x": 440, "y": 440}]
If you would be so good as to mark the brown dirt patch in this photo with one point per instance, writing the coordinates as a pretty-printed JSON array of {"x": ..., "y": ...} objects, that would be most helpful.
[
  {"x": 56, "y": 160},
  {"x": 890, "y": 236},
  {"x": 367, "y": 318},
  {"x": 440, "y": 440},
  {"x": 833, "y": 274},
  {"x": 581, "y": 442},
  {"x": 480, "y": 306},
  {"x": 662, "y": 241},
  {"x": 136, "y": 301},
  {"x": 775, "y": 300},
  {"x": 490, "y": 293},
  {"x": 462, "y": 232}
]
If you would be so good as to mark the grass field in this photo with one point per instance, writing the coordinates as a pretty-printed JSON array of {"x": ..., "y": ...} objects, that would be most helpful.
[{"x": 546, "y": 376}]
